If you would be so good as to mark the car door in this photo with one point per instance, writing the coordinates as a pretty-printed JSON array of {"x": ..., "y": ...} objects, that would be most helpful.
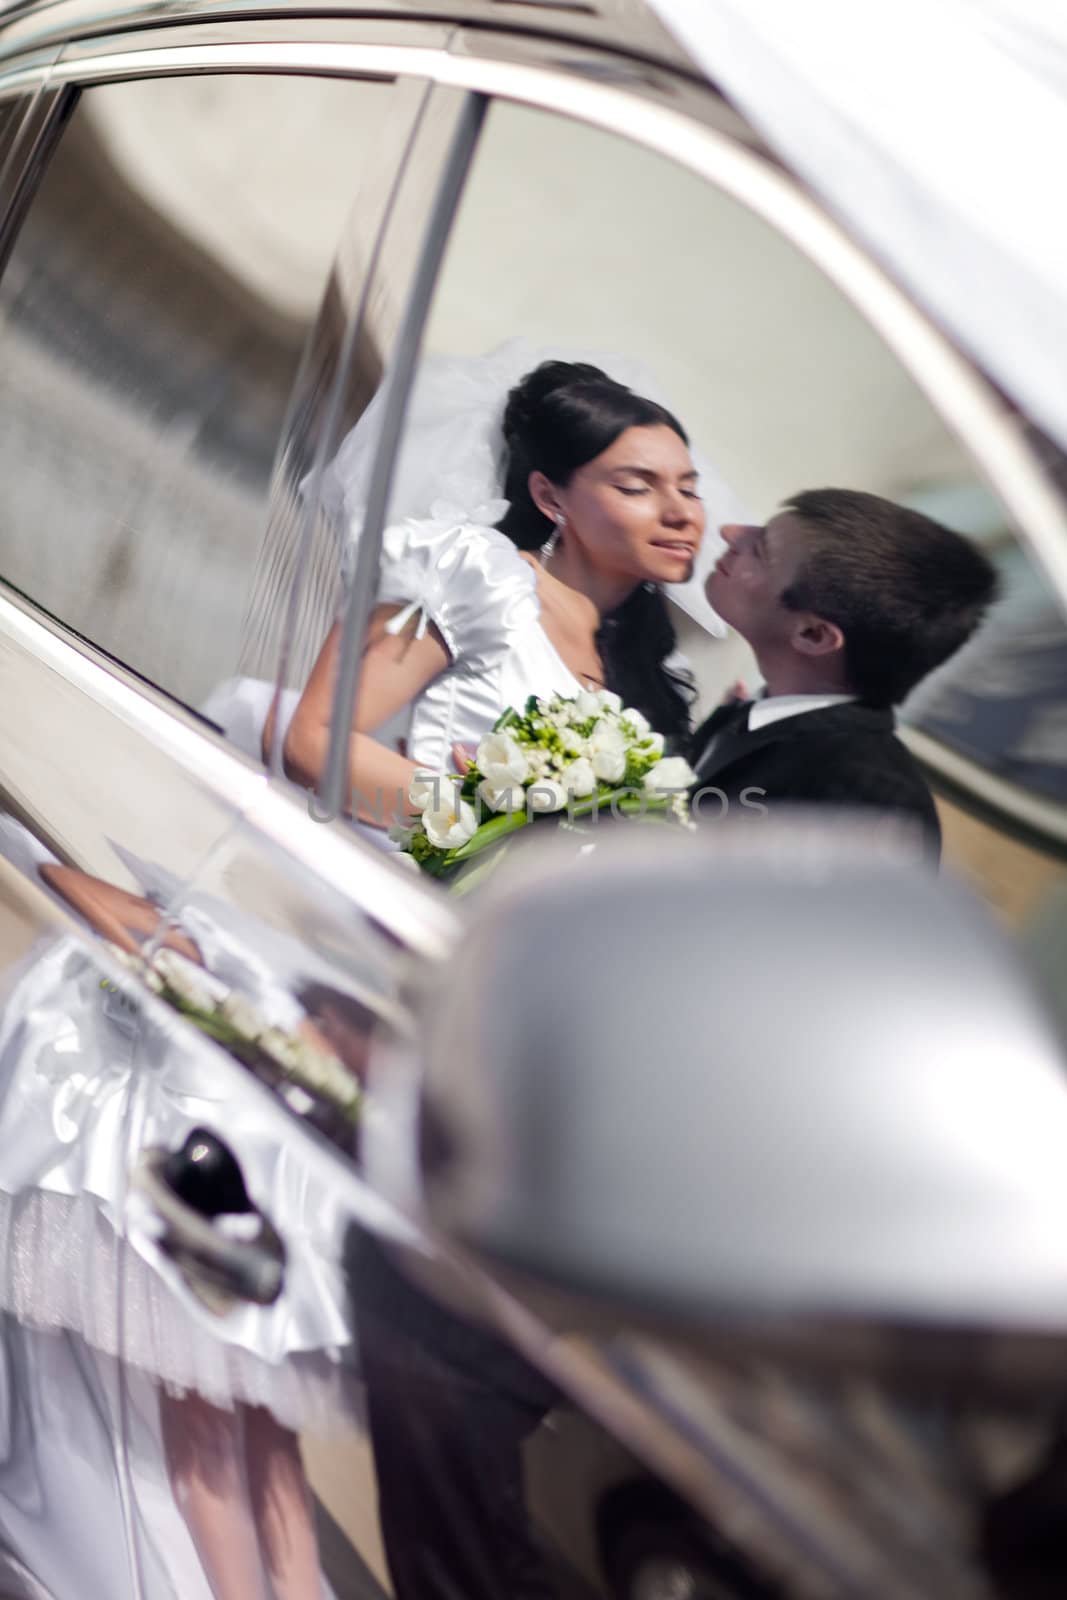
[
  {"x": 578, "y": 242},
  {"x": 169, "y": 291},
  {"x": 744, "y": 329}
]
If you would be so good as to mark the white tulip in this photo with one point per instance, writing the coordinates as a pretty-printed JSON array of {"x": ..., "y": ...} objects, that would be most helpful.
[
  {"x": 578, "y": 778},
  {"x": 431, "y": 790},
  {"x": 548, "y": 795},
  {"x": 450, "y": 825},
  {"x": 586, "y": 705},
  {"x": 638, "y": 722},
  {"x": 242, "y": 1015},
  {"x": 609, "y": 701},
  {"x": 502, "y": 759},
  {"x": 188, "y": 980},
  {"x": 671, "y": 773},
  {"x": 652, "y": 745},
  {"x": 502, "y": 797},
  {"x": 607, "y": 751}
]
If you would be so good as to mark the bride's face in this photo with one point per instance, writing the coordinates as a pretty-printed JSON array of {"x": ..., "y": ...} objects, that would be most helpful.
[{"x": 635, "y": 509}]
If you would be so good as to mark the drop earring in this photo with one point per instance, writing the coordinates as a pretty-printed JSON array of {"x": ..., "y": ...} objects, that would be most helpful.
[{"x": 549, "y": 546}]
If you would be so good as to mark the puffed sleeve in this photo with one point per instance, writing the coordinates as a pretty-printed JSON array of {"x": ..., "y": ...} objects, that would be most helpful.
[{"x": 466, "y": 578}]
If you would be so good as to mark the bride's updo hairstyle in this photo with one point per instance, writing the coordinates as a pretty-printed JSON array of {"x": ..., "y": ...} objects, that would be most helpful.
[{"x": 559, "y": 417}]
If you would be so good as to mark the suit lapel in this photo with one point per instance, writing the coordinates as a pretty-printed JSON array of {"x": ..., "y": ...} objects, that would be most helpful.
[
  {"x": 725, "y": 729},
  {"x": 731, "y": 740}
]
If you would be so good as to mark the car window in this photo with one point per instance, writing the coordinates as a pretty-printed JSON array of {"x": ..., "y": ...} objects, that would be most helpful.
[
  {"x": 571, "y": 242},
  {"x": 156, "y": 308}
]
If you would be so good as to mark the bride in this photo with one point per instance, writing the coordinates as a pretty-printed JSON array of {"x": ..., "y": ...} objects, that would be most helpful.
[{"x": 602, "y": 507}]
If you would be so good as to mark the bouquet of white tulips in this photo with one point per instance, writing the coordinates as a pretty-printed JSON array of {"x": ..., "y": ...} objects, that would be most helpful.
[
  {"x": 304, "y": 1072},
  {"x": 561, "y": 758}
]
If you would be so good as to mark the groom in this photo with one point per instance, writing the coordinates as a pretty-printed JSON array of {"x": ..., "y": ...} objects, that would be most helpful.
[{"x": 847, "y": 601}]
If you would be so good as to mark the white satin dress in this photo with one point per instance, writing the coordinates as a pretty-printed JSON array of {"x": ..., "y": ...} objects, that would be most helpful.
[
  {"x": 472, "y": 583},
  {"x": 468, "y": 579},
  {"x": 79, "y": 1073}
]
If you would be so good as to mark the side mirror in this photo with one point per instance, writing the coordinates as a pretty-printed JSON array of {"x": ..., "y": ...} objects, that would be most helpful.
[{"x": 787, "y": 1082}]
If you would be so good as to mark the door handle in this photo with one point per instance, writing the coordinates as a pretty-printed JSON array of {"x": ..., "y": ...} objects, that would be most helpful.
[{"x": 226, "y": 1250}]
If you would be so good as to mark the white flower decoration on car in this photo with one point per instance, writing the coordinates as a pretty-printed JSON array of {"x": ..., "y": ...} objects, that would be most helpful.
[{"x": 451, "y": 825}]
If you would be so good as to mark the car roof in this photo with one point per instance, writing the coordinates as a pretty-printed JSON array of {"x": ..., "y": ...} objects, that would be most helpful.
[{"x": 627, "y": 26}]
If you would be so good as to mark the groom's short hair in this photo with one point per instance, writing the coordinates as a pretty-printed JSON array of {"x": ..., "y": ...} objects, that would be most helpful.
[{"x": 905, "y": 591}]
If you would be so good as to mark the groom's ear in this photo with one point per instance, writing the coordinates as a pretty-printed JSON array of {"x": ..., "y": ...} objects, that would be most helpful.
[
  {"x": 814, "y": 636},
  {"x": 544, "y": 496}
]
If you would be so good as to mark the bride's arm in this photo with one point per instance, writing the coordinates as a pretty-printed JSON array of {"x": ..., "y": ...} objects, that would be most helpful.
[
  {"x": 126, "y": 919},
  {"x": 395, "y": 668}
]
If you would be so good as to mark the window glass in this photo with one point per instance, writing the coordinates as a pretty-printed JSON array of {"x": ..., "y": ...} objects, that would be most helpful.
[
  {"x": 12, "y": 111},
  {"x": 297, "y": 585},
  {"x": 155, "y": 309},
  {"x": 573, "y": 243}
]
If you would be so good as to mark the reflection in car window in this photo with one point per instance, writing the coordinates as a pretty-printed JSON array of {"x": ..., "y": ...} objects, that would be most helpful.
[
  {"x": 778, "y": 381},
  {"x": 1003, "y": 703},
  {"x": 156, "y": 306}
]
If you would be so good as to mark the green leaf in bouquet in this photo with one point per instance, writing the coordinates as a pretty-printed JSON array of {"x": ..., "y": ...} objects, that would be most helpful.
[
  {"x": 637, "y": 765},
  {"x": 488, "y": 834},
  {"x": 427, "y": 855}
]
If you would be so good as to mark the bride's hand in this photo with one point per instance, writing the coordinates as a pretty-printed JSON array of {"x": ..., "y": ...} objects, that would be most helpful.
[{"x": 463, "y": 756}]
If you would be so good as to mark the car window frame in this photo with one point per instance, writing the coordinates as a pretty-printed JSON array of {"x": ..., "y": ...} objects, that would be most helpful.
[{"x": 964, "y": 399}]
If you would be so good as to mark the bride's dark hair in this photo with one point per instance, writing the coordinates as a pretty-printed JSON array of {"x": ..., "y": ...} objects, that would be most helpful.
[{"x": 560, "y": 416}]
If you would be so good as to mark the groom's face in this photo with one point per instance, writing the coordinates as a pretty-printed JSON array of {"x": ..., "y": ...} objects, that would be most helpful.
[{"x": 755, "y": 570}]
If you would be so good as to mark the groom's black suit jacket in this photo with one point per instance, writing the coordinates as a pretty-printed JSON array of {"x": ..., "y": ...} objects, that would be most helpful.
[{"x": 844, "y": 755}]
